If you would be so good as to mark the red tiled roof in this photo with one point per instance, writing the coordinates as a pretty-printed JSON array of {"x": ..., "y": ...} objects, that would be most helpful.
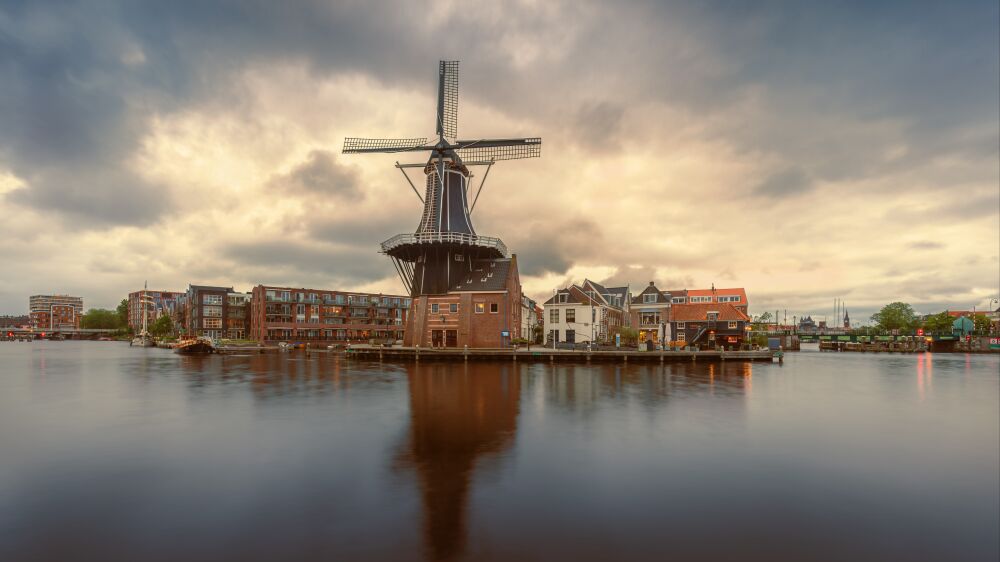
[{"x": 699, "y": 312}]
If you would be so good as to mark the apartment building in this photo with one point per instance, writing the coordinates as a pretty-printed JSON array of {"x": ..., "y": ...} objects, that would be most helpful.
[
  {"x": 288, "y": 314},
  {"x": 161, "y": 303},
  {"x": 55, "y": 312}
]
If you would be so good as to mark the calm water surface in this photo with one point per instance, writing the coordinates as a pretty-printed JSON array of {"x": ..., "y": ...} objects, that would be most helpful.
[{"x": 115, "y": 453}]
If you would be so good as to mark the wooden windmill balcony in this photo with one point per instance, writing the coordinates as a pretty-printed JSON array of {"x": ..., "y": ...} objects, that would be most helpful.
[{"x": 403, "y": 240}]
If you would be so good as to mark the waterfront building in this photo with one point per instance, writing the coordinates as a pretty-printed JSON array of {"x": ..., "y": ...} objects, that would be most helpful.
[
  {"x": 285, "y": 314},
  {"x": 161, "y": 303},
  {"x": 21, "y": 321},
  {"x": 237, "y": 319},
  {"x": 736, "y": 297},
  {"x": 584, "y": 313},
  {"x": 708, "y": 324},
  {"x": 807, "y": 324},
  {"x": 55, "y": 312},
  {"x": 529, "y": 318},
  {"x": 203, "y": 311},
  {"x": 482, "y": 308},
  {"x": 650, "y": 313}
]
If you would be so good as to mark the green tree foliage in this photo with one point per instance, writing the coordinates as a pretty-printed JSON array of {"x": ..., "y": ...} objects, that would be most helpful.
[
  {"x": 895, "y": 316},
  {"x": 628, "y": 335},
  {"x": 982, "y": 323},
  {"x": 759, "y": 324},
  {"x": 162, "y": 327},
  {"x": 122, "y": 312},
  {"x": 938, "y": 324},
  {"x": 100, "y": 318}
]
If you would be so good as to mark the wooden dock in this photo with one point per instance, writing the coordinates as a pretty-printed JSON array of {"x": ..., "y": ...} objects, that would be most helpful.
[{"x": 541, "y": 354}]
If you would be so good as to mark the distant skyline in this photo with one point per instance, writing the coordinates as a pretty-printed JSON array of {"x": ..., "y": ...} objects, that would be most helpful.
[{"x": 802, "y": 150}]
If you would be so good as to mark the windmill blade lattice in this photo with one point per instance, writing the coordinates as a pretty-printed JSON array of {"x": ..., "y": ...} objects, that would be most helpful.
[
  {"x": 496, "y": 150},
  {"x": 448, "y": 99},
  {"x": 354, "y": 145}
]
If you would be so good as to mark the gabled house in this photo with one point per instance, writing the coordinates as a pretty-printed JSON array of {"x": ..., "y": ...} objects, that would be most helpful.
[
  {"x": 650, "y": 314},
  {"x": 586, "y": 312},
  {"x": 708, "y": 325}
]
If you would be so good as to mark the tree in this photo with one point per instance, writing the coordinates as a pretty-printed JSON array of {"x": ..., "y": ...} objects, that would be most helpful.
[
  {"x": 100, "y": 319},
  {"x": 895, "y": 316},
  {"x": 122, "y": 311},
  {"x": 760, "y": 323},
  {"x": 162, "y": 327},
  {"x": 938, "y": 323},
  {"x": 537, "y": 333},
  {"x": 982, "y": 323}
]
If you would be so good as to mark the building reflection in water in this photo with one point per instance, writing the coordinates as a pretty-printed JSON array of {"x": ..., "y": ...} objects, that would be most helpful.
[{"x": 461, "y": 417}]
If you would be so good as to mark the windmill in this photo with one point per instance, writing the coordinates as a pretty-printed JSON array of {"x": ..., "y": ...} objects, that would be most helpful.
[{"x": 445, "y": 245}]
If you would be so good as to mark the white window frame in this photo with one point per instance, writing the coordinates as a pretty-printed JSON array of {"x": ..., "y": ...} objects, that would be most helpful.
[{"x": 480, "y": 308}]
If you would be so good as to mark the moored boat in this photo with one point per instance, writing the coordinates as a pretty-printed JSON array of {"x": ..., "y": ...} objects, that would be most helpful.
[{"x": 198, "y": 346}]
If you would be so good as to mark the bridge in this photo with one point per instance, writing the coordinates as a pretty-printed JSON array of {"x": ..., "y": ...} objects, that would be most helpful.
[{"x": 58, "y": 333}]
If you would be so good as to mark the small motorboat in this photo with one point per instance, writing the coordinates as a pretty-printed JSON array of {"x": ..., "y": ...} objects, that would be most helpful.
[{"x": 199, "y": 346}]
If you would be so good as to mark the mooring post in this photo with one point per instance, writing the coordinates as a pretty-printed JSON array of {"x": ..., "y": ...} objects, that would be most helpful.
[
  {"x": 416, "y": 355},
  {"x": 466, "y": 353}
]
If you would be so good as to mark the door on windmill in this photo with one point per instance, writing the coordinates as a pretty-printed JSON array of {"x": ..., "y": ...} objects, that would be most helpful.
[
  {"x": 436, "y": 338},
  {"x": 451, "y": 338}
]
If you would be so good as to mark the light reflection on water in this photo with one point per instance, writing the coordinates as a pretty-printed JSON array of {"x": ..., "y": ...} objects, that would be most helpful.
[{"x": 118, "y": 453}]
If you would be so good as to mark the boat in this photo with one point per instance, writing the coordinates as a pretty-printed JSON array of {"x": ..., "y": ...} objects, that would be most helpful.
[
  {"x": 198, "y": 346},
  {"x": 143, "y": 338}
]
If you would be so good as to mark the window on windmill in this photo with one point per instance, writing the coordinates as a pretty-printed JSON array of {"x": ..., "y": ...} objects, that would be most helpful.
[
  {"x": 459, "y": 257},
  {"x": 480, "y": 308},
  {"x": 453, "y": 307},
  {"x": 494, "y": 308},
  {"x": 434, "y": 308}
]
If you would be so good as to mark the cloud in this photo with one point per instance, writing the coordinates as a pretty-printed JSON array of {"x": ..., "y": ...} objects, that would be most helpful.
[
  {"x": 598, "y": 126},
  {"x": 546, "y": 247},
  {"x": 786, "y": 183},
  {"x": 817, "y": 140},
  {"x": 286, "y": 261},
  {"x": 321, "y": 174},
  {"x": 925, "y": 245}
]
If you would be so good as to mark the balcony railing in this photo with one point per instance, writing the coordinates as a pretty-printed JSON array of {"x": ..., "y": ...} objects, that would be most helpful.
[{"x": 444, "y": 238}]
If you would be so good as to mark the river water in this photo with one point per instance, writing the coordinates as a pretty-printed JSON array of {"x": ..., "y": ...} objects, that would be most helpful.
[{"x": 116, "y": 453}]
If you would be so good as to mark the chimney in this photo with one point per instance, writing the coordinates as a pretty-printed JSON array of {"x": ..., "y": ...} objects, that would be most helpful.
[{"x": 650, "y": 283}]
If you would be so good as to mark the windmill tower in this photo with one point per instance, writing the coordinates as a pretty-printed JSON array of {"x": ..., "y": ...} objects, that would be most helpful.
[{"x": 442, "y": 250}]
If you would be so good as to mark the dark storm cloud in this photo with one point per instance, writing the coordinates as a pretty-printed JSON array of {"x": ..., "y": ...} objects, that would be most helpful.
[
  {"x": 554, "y": 247},
  {"x": 637, "y": 277},
  {"x": 598, "y": 125},
  {"x": 787, "y": 183},
  {"x": 349, "y": 265},
  {"x": 321, "y": 174},
  {"x": 74, "y": 99}
]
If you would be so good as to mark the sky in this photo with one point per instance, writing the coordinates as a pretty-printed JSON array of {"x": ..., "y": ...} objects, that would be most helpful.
[{"x": 803, "y": 150}]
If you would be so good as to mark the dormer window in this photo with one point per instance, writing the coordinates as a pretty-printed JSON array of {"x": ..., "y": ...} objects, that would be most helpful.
[
  {"x": 649, "y": 298},
  {"x": 562, "y": 297}
]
